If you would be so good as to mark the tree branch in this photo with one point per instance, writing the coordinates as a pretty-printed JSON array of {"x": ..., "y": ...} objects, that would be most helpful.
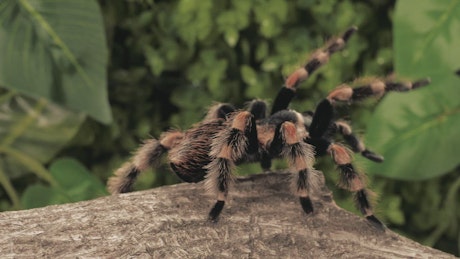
[{"x": 262, "y": 220}]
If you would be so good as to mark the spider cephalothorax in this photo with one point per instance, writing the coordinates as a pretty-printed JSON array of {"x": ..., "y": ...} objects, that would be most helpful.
[{"x": 227, "y": 136}]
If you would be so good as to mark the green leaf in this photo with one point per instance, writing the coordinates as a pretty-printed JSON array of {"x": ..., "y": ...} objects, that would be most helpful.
[
  {"x": 75, "y": 183},
  {"x": 75, "y": 180},
  {"x": 394, "y": 213},
  {"x": 38, "y": 195},
  {"x": 417, "y": 132},
  {"x": 37, "y": 129},
  {"x": 231, "y": 37},
  {"x": 215, "y": 78},
  {"x": 56, "y": 50},
  {"x": 154, "y": 60},
  {"x": 271, "y": 15},
  {"x": 193, "y": 21},
  {"x": 249, "y": 75}
]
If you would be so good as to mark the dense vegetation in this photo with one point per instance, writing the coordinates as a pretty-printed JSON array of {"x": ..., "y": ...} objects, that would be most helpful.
[{"x": 67, "y": 121}]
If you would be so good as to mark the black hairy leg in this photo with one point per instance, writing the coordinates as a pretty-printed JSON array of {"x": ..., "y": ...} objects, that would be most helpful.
[
  {"x": 228, "y": 146},
  {"x": 318, "y": 125},
  {"x": 354, "y": 182},
  {"x": 219, "y": 111},
  {"x": 374, "y": 87},
  {"x": 258, "y": 109},
  {"x": 317, "y": 59},
  {"x": 322, "y": 120},
  {"x": 354, "y": 142},
  {"x": 322, "y": 124},
  {"x": 300, "y": 156},
  {"x": 147, "y": 156}
]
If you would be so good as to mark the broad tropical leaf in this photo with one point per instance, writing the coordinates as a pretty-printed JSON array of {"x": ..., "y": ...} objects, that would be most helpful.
[
  {"x": 418, "y": 132},
  {"x": 34, "y": 129},
  {"x": 56, "y": 50},
  {"x": 75, "y": 183}
]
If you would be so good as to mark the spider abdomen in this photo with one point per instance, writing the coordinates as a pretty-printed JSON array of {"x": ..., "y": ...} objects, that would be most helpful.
[
  {"x": 188, "y": 173},
  {"x": 189, "y": 157}
]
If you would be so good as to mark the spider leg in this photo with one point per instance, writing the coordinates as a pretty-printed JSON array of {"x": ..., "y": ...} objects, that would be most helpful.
[
  {"x": 146, "y": 156},
  {"x": 319, "y": 125},
  {"x": 317, "y": 59},
  {"x": 219, "y": 111},
  {"x": 354, "y": 182},
  {"x": 228, "y": 147},
  {"x": 258, "y": 109},
  {"x": 300, "y": 156},
  {"x": 322, "y": 119},
  {"x": 321, "y": 122},
  {"x": 324, "y": 113},
  {"x": 355, "y": 143},
  {"x": 376, "y": 87}
]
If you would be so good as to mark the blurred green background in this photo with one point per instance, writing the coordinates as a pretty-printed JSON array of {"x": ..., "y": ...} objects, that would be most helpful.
[{"x": 83, "y": 82}]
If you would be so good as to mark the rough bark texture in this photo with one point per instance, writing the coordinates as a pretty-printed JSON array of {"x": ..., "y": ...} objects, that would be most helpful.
[{"x": 261, "y": 220}]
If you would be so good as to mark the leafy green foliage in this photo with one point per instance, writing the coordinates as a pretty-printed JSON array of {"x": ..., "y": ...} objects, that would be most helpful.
[
  {"x": 73, "y": 183},
  {"x": 430, "y": 210},
  {"x": 55, "y": 50},
  {"x": 418, "y": 133},
  {"x": 36, "y": 128},
  {"x": 31, "y": 134}
]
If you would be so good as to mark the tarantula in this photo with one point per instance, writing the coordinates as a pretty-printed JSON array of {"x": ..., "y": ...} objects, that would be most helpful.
[{"x": 227, "y": 136}]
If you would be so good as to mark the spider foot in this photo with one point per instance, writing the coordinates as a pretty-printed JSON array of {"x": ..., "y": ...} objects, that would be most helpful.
[
  {"x": 307, "y": 206},
  {"x": 376, "y": 222},
  {"x": 372, "y": 156},
  {"x": 215, "y": 211}
]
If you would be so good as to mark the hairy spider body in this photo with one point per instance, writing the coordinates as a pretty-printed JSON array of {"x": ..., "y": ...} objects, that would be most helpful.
[{"x": 210, "y": 150}]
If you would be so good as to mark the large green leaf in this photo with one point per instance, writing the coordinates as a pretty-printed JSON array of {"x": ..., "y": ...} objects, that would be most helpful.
[
  {"x": 75, "y": 180},
  {"x": 418, "y": 132},
  {"x": 74, "y": 183},
  {"x": 56, "y": 50},
  {"x": 33, "y": 129}
]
